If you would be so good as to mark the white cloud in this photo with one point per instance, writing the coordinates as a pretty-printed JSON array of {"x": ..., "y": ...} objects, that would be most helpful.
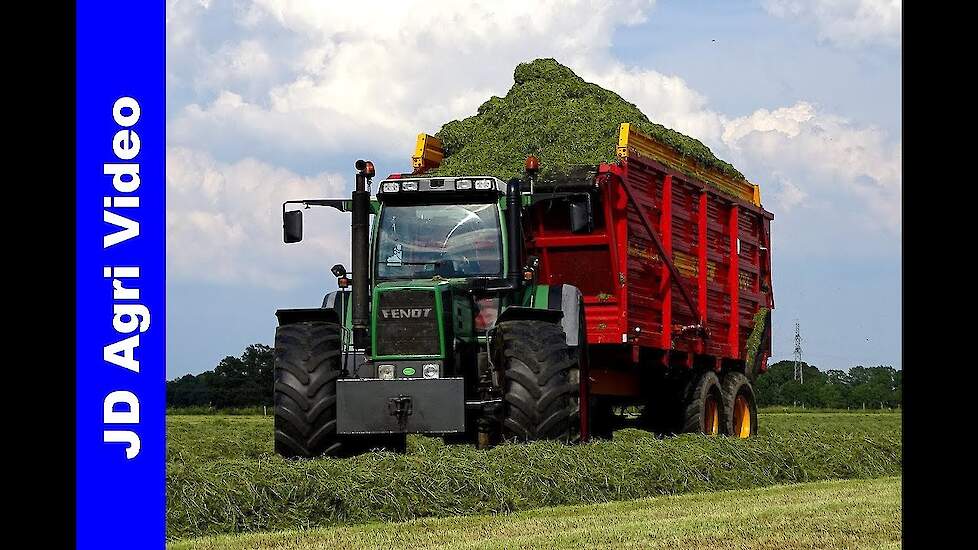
[
  {"x": 855, "y": 168},
  {"x": 805, "y": 157},
  {"x": 786, "y": 194},
  {"x": 224, "y": 221},
  {"x": 665, "y": 99},
  {"x": 376, "y": 73},
  {"x": 846, "y": 23}
]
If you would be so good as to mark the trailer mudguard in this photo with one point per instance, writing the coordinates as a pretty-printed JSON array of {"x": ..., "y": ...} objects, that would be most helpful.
[{"x": 551, "y": 303}]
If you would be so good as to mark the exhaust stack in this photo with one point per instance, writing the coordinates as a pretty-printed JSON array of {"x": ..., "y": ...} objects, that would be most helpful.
[
  {"x": 361, "y": 254},
  {"x": 514, "y": 227}
]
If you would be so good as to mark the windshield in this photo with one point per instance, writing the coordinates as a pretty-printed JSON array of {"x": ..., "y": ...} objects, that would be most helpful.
[{"x": 450, "y": 240}]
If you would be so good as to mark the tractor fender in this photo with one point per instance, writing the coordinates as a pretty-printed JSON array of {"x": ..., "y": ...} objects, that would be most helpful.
[
  {"x": 292, "y": 316},
  {"x": 522, "y": 313},
  {"x": 339, "y": 301},
  {"x": 552, "y": 303}
]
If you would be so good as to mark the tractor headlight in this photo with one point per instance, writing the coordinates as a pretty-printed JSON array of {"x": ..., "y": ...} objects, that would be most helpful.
[
  {"x": 483, "y": 185},
  {"x": 385, "y": 372},
  {"x": 409, "y": 186},
  {"x": 430, "y": 370},
  {"x": 390, "y": 187},
  {"x": 463, "y": 184}
]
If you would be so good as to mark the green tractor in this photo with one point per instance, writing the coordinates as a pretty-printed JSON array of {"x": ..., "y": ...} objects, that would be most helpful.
[{"x": 440, "y": 329}]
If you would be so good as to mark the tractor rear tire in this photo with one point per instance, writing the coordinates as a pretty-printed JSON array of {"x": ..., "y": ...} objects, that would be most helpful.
[
  {"x": 541, "y": 382},
  {"x": 738, "y": 415},
  {"x": 307, "y": 365},
  {"x": 702, "y": 405}
]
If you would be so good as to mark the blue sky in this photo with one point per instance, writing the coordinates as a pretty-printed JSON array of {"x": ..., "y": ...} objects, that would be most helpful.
[{"x": 271, "y": 100}]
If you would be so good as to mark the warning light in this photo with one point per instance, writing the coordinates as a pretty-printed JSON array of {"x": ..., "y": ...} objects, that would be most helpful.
[
  {"x": 366, "y": 168},
  {"x": 532, "y": 164}
]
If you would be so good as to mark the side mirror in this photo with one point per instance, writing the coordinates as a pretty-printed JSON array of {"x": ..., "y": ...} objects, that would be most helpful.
[
  {"x": 292, "y": 226},
  {"x": 581, "y": 216}
]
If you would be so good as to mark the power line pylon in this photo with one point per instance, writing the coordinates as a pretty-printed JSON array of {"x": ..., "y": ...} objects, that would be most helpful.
[{"x": 799, "y": 371}]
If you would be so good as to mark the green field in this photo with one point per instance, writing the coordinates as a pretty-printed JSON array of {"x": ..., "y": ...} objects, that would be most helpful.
[
  {"x": 223, "y": 476},
  {"x": 804, "y": 515}
]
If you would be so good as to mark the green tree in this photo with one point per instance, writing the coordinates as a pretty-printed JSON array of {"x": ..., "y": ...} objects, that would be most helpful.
[
  {"x": 235, "y": 382},
  {"x": 875, "y": 387}
]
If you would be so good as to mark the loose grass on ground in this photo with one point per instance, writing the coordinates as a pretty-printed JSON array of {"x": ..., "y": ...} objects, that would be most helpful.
[
  {"x": 808, "y": 515},
  {"x": 222, "y": 479},
  {"x": 194, "y": 439}
]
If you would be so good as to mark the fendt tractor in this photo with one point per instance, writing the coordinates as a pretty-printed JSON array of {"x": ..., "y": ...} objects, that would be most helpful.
[{"x": 561, "y": 306}]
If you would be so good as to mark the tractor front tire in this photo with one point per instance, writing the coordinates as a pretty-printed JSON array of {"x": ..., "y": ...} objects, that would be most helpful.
[
  {"x": 738, "y": 415},
  {"x": 307, "y": 365},
  {"x": 541, "y": 377},
  {"x": 702, "y": 405}
]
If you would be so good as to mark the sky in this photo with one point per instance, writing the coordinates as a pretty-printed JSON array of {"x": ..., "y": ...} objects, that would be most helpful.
[{"x": 271, "y": 100}]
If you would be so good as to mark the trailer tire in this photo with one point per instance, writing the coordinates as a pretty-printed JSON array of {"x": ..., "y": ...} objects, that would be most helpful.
[
  {"x": 307, "y": 365},
  {"x": 541, "y": 378},
  {"x": 702, "y": 405},
  {"x": 738, "y": 415}
]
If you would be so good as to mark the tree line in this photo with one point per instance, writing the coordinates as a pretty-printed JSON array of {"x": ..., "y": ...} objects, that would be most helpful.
[
  {"x": 859, "y": 387},
  {"x": 247, "y": 381},
  {"x": 244, "y": 381}
]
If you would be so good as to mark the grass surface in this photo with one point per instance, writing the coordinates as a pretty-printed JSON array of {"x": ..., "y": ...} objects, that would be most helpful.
[
  {"x": 197, "y": 438},
  {"x": 223, "y": 477},
  {"x": 807, "y": 515}
]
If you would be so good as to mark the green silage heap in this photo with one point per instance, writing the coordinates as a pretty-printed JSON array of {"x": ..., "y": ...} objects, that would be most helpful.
[{"x": 554, "y": 114}]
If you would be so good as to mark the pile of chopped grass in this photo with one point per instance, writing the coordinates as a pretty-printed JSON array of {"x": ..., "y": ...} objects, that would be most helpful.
[
  {"x": 232, "y": 496},
  {"x": 554, "y": 114}
]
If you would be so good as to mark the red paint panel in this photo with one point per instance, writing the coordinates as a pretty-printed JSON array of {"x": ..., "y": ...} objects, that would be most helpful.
[
  {"x": 733, "y": 286},
  {"x": 702, "y": 224},
  {"x": 623, "y": 275},
  {"x": 666, "y": 285}
]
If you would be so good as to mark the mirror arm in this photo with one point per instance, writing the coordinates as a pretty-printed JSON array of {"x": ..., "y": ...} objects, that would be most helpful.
[{"x": 343, "y": 205}]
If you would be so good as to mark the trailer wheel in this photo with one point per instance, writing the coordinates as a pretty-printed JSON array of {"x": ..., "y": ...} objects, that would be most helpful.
[
  {"x": 703, "y": 405},
  {"x": 738, "y": 416},
  {"x": 541, "y": 382},
  {"x": 307, "y": 365}
]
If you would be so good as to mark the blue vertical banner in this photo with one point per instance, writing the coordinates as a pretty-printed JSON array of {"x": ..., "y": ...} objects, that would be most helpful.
[{"x": 120, "y": 271}]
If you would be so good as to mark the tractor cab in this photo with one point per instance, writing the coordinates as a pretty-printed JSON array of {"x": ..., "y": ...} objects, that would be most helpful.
[{"x": 448, "y": 228}]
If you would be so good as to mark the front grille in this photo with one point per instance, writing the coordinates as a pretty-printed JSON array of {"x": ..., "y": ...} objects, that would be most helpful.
[{"x": 407, "y": 323}]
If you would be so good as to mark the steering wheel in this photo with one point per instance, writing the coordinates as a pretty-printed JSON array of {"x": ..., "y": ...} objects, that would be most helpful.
[{"x": 453, "y": 267}]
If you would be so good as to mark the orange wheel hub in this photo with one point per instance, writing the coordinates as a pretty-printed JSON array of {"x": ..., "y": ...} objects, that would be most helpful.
[
  {"x": 711, "y": 420},
  {"x": 741, "y": 417}
]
